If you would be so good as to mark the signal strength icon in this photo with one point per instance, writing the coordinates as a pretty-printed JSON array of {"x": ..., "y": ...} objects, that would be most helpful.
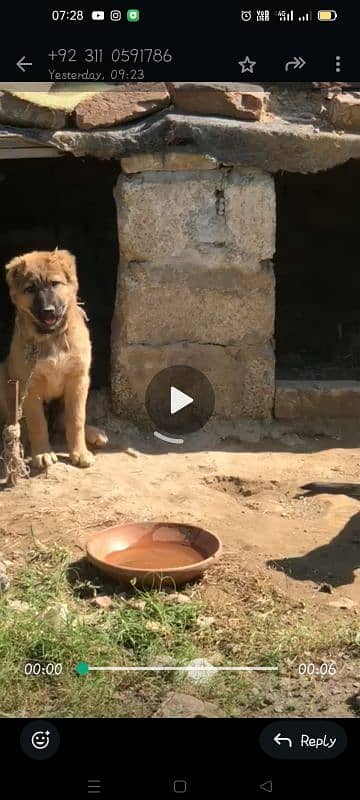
[
  {"x": 286, "y": 16},
  {"x": 305, "y": 17}
]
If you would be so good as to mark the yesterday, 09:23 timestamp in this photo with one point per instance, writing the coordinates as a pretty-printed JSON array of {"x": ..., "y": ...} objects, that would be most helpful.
[{"x": 127, "y": 75}]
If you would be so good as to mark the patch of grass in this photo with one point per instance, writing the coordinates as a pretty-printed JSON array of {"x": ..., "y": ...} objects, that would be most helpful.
[{"x": 252, "y": 625}]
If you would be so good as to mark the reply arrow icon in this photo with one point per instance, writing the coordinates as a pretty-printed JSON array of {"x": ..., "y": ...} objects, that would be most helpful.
[{"x": 278, "y": 739}]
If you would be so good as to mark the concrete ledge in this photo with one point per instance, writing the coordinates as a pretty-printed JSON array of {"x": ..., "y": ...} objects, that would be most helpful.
[
  {"x": 271, "y": 146},
  {"x": 304, "y": 399}
]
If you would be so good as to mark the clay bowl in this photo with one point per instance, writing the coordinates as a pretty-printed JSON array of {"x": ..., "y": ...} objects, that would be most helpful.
[{"x": 155, "y": 553}]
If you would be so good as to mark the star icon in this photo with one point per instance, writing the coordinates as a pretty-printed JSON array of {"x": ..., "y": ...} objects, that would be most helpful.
[{"x": 247, "y": 65}]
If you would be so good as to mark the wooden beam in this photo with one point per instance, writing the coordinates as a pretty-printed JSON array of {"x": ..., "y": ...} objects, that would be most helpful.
[{"x": 29, "y": 152}]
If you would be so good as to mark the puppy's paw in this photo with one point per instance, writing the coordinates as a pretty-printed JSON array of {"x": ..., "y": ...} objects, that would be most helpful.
[
  {"x": 83, "y": 459},
  {"x": 42, "y": 460},
  {"x": 96, "y": 437}
]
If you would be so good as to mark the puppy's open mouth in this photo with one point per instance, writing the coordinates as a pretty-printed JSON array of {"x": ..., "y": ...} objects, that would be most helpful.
[{"x": 48, "y": 321}]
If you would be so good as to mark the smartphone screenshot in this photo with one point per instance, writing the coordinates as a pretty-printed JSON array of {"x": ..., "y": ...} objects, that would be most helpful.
[{"x": 179, "y": 400}]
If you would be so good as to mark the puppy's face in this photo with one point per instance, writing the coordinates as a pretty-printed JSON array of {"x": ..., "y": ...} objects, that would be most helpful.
[{"x": 42, "y": 286}]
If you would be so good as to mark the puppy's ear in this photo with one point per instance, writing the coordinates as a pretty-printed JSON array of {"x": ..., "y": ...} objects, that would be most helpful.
[
  {"x": 13, "y": 270},
  {"x": 67, "y": 262}
]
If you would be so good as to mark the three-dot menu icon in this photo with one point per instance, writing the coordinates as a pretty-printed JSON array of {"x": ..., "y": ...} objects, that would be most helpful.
[{"x": 94, "y": 786}]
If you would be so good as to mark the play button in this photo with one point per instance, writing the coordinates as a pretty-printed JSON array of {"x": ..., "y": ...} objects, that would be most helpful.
[{"x": 179, "y": 400}]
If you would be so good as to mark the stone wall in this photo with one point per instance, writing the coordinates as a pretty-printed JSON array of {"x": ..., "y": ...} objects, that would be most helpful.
[
  {"x": 196, "y": 215},
  {"x": 196, "y": 283}
]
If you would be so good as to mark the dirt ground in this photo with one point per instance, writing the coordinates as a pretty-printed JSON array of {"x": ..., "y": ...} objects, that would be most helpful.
[
  {"x": 248, "y": 493},
  {"x": 243, "y": 487}
]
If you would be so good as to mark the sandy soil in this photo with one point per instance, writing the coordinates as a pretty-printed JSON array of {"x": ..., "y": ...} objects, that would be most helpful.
[{"x": 249, "y": 493}]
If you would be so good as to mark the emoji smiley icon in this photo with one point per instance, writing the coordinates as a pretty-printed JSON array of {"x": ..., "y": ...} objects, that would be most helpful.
[{"x": 40, "y": 740}]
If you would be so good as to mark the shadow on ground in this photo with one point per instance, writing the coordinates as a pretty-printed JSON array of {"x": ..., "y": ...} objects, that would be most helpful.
[{"x": 333, "y": 563}]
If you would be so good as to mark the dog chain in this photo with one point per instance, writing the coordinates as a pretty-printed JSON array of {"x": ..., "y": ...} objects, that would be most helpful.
[
  {"x": 13, "y": 452},
  {"x": 32, "y": 352}
]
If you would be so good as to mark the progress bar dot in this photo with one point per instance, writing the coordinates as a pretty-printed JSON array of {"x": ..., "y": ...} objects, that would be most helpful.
[{"x": 82, "y": 668}]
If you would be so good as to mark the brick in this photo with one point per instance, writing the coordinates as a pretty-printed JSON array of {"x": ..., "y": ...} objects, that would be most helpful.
[
  {"x": 251, "y": 212},
  {"x": 203, "y": 217},
  {"x": 177, "y": 160},
  {"x": 111, "y": 108},
  {"x": 304, "y": 399},
  {"x": 221, "y": 306},
  {"x": 219, "y": 100},
  {"x": 344, "y": 111},
  {"x": 242, "y": 380}
]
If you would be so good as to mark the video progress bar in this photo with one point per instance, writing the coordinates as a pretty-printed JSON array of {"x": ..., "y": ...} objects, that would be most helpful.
[{"x": 82, "y": 670}]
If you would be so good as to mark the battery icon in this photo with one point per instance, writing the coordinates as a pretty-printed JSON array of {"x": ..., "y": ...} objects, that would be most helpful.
[{"x": 326, "y": 16}]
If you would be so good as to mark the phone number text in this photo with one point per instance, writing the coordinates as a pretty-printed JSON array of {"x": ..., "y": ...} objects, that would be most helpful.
[{"x": 118, "y": 55}]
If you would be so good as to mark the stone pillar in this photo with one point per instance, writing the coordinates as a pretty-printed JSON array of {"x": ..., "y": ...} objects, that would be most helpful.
[{"x": 196, "y": 283}]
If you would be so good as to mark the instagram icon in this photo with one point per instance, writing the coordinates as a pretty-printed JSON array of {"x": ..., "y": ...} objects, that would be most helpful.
[{"x": 115, "y": 15}]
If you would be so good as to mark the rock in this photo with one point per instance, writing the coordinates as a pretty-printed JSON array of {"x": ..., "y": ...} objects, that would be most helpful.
[
  {"x": 222, "y": 100},
  {"x": 200, "y": 671},
  {"x": 56, "y": 616},
  {"x": 4, "y": 579},
  {"x": 110, "y": 108},
  {"x": 326, "y": 588},
  {"x": 155, "y": 627},
  {"x": 131, "y": 452},
  {"x": 20, "y": 109},
  {"x": 19, "y": 605},
  {"x": 178, "y": 597},
  {"x": 332, "y": 399},
  {"x": 102, "y": 601},
  {"x": 178, "y": 704},
  {"x": 270, "y": 146},
  {"x": 167, "y": 160},
  {"x": 344, "y": 111},
  {"x": 139, "y": 604},
  {"x": 205, "y": 622},
  {"x": 343, "y": 602}
]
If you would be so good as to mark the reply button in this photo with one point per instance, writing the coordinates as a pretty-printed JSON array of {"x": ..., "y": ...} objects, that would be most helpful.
[
  {"x": 303, "y": 739},
  {"x": 321, "y": 741}
]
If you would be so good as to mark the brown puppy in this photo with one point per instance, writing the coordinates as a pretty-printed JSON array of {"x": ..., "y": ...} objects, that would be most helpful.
[{"x": 50, "y": 352}]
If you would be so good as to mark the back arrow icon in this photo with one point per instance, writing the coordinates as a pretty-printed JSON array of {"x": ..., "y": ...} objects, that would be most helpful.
[
  {"x": 22, "y": 63},
  {"x": 297, "y": 63},
  {"x": 278, "y": 739},
  {"x": 267, "y": 786}
]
